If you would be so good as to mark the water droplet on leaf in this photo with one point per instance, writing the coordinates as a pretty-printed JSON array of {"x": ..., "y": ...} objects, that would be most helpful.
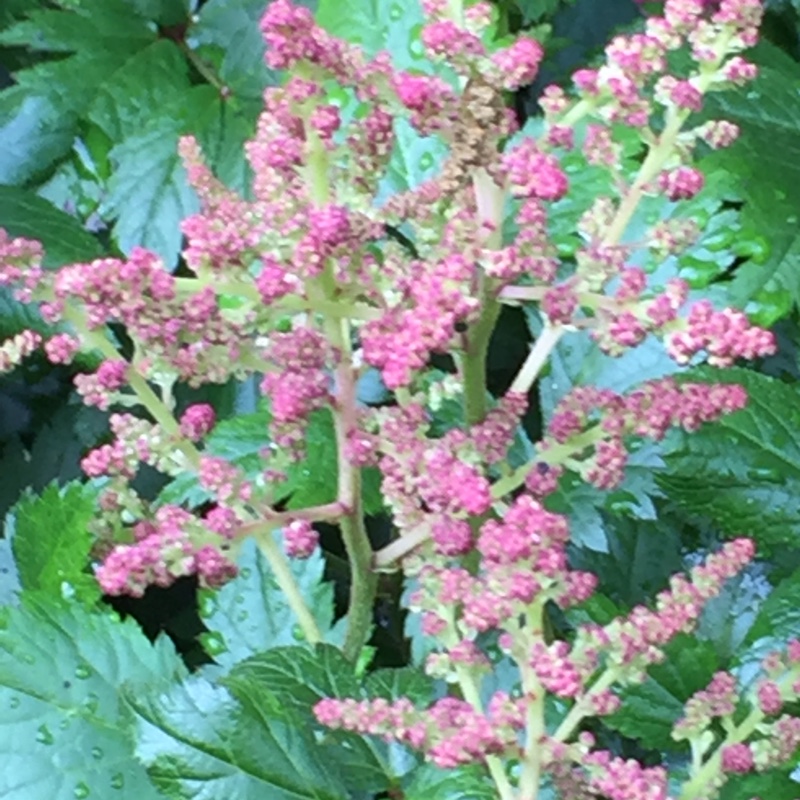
[
  {"x": 81, "y": 791},
  {"x": 14, "y": 702},
  {"x": 297, "y": 634},
  {"x": 83, "y": 671},
  {"x": 117, "y": 781},
  {"x": 43, "y": 735},
  {"x": 97, "y": 753}
]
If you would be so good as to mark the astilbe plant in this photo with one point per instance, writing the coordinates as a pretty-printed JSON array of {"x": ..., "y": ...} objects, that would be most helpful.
[{"x": 303, "y": 286}]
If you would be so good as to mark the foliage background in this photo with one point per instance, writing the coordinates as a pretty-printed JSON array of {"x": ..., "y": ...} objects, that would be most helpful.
[{"x": 96, "y": 94}]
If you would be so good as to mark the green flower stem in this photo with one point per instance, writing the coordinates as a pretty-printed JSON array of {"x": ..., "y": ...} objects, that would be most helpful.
[
  {"x": 698, "y": 785},
  {"x": 287, "y": 583},
  {"x": 469, "y": 691},
  {"x": 535, "y": 729},
  {"x": 363, "y": 579},
  {"x": 239, "y": 288},
  {"x": 582, "y": 709},
  {"x": 554, "y": 455},
  {"x": 323, "y": 292},
  {"x": 490, "y": 202}
]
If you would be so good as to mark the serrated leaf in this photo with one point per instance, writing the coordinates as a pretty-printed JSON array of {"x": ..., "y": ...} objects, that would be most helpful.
[
  {"x": 24, "y": 214},
  {"x": 742, "y": 472},
  {"x": 727, "y": 618},
  {"x": 298, "y": 678},
  {"x": 228, "y": 34},
  {"x": 776, "y": 784},
  {"x": 222, "y": 127},
  {"x": 649, "y": 710},
  {"x": 148, "y": 194},
  {"x": 151, "y": 83},
  {"x": 641, "y": 558},
  {"x": 463, "y": 783},
  {"x": 35, "y": 134},
  {"x": 51, "y": 541},
  {"x": 250, "y": 613},
  {"x": 197, "y": 741},
  {"x": 779, "y": 615},
  {"x": 766, "y": 163},
  {"x": 63, "y": 731}
]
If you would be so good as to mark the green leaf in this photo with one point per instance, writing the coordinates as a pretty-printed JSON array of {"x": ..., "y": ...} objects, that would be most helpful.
[
  {"x": 649, "y": 710},
  {"x": 51, "y": 541},
  {"x": 222, "y": 127},
  {"x": 778, "y": 618},
  {"x": 641, "y": 558},
  {"x": 297, "y": 678},
  {"x": 415, "y": 159},
  {"x": 63, "y": 731},
  {"x": 23, "y": 214},
  {"x": 250, "y": 613},
  {"x": 464, "y": 783},
  {"x": 227, "y": 33},
  {"x": 310, "y": 481},
  {"x": 35, "y": 134},
  {"x": 776, "y": 784},
  {"x": 149, "y": 85},
  {"x": 376, "y": 25},
  {"x": 148, "y": 193},
  {"x": 197, "y": 741},
  {"x": 766, "y": 164},
  {"x": 742, "y": 472}
]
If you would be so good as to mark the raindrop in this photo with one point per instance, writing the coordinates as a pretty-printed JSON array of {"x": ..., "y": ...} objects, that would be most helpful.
[
  {"x": 81, "y": 791},
  {"x": 43, "y": 735},
  {"x": 208, "y": 606},
  {"x": 297, "y": 634},
  {"x": 246, "y": 573},
  {"x": 395, "y": 11},
  {"x": 27, "y": 658},
  {"x": 242, "y": 616},
  {"x": 117, "y": 780},
  {"x": 426, "y": 161},
  {"x": 83, "y": 671},
  {"x": 64, "y": 724},
  {"x": 91, "y": 703},
  {"x": 14, "y": 702},
  {"x": 214, "y": 645},
  {"x": 97, "y": 753}
]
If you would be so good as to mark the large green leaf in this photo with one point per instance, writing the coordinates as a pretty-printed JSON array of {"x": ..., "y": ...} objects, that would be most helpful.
[
  {"x": 378, "y": 25},
  {"x": 63, "y": 732},
  {"x": 649, "y": 710},
  {"x": 298, "y": 678},
  {"x": 464, "y": 783},
  {"x": 778, "y": 618},
  {"x": 51, "y": 541},
  {"x": 766, "y": 163},
  {"x": 198, "y": 741},
  {"x": 776, "y": 784},
  {"x": 250, "y": 613},
  {"x": 152, "y": 83},
  {"x": 226, "y": 33},
  {"x": 743, "y": 472},
  {"x": 148, "y": 194},
  {"x": 35, "y": 134}
]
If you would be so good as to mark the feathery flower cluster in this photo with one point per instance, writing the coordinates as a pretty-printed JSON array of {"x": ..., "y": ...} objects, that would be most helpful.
[{"x": 323, "y": 286}]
